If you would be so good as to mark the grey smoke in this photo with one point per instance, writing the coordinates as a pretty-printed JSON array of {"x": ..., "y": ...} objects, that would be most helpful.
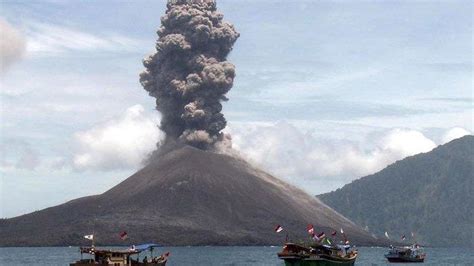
[{"x": 188, "y": 74}]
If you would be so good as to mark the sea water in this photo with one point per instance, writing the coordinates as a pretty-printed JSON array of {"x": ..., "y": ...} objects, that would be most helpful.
[{"x": 211, "y": 255}]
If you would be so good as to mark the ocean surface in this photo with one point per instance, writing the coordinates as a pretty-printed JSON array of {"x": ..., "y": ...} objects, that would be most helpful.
[{"x": 223, "y": 256}]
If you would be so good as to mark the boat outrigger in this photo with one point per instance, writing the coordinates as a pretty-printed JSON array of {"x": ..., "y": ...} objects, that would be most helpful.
[
  {"x": 125, "y": 257},
  {"x": 413, "y": 253},
  {"x": 317, "y": 255}
]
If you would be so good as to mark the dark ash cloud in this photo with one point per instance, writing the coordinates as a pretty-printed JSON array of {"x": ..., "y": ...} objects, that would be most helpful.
[{"x": 189, "y": 75}]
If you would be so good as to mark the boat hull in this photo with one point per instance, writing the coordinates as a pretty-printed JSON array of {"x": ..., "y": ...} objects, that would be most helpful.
[
  {"x": 315, "y": 262},
  {"x": 406, "y": 260},
  {"x": 131, "y": 264}
]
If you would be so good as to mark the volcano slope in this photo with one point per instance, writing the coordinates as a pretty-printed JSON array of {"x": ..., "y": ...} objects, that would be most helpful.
[{"x": 186, "y": 197}]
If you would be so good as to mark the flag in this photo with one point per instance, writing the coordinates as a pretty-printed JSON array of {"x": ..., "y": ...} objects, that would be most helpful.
[
  {"x": 322, "y": 235},
  {"x": 342, "y": 231},
  {"x": 278, "y": 228},
  {"x": 334, "y": 233},
  {"x": 90, "y": 237},
  {"x": 346, "y": 242},
  {"x": 123, "y": 235},
  {"x": 310, "y": 229},
  {"x": 386, "y": 235},
  {"x": 403, "y": 237}
]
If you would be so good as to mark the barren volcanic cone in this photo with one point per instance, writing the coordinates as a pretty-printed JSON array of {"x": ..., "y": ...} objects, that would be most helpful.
[{"x": 187, "y": 197}]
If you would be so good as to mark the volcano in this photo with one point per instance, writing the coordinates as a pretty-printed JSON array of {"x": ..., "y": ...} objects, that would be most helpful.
[{"x": 187, "y": 196}]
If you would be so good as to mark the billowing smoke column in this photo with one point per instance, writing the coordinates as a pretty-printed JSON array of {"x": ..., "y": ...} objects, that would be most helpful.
[{"x": 189, "y": 75}]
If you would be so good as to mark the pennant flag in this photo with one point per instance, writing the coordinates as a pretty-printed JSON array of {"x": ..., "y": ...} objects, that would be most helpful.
[
  {"x": 310, "y": 229},
  {"x": 342, "y": 231},
  {"x": 403, "y": 237},
  {"x": 278, "y": 228},
  {"x": 334, "y": 233},
  {"x": 90, "y": 237},
  {"x": 123, "y": 235},
  {"x": 386, "y": 235}
]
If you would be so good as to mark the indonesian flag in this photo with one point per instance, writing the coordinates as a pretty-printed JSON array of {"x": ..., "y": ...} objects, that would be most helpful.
[
  {"x": 342, "y": 231},
  {"x": 90, "y": 237},
  {"x": 123, "y": 235},
  {"x": 278, "y": 228},
  {"x": 403, "y": 237},
  {"x": 322, "y": 235},
  {"x": 310, "y": 229},
  {"x": 334, "y": 233}
]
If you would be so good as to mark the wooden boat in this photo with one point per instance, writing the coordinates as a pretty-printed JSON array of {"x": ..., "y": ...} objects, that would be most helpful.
[
  {"x": 125, "y": 257},
  {"x": 408, "y": 254},
  {"x": 317, "y": 255}
]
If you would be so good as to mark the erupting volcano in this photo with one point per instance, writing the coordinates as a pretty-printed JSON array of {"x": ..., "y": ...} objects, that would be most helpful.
[{"x": 188, "y": 193}]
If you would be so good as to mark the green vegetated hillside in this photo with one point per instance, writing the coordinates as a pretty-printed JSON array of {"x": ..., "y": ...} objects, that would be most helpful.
[{"x": 430, "y": 194}]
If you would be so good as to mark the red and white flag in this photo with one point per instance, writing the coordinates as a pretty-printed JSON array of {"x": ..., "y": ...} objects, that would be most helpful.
[
  {"x": 123, "y": 235},
  {"x": 342, "y": 231},
  {"x": 346, "y": 242},
  {"x": 278, "y": 228},
  {"x": 310, "y": 229},
  {"x": 322, "y": 235}
]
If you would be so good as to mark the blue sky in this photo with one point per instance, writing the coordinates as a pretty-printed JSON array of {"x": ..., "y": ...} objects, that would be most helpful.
[{"x": 326, "y": 91}]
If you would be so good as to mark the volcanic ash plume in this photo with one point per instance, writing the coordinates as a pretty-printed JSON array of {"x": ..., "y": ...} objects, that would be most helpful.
[{"x": 189, "y": 75}]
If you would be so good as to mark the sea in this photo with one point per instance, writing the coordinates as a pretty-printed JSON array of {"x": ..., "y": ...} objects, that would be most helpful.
[{"x": 212, "y": 255}]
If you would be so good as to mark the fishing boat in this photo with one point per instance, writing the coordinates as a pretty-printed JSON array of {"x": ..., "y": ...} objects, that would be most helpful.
[
  {"x": 413, "y": 253},
  {"x": 124, "y": 257},
  {"x": 317, "y": 255}
]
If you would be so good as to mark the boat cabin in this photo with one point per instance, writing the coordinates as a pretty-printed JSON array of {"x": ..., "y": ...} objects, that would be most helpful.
[{"x": 125, "y": 257}]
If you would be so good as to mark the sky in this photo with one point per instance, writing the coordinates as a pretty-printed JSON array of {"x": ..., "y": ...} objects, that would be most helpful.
[{"x": 326, "y": 91}]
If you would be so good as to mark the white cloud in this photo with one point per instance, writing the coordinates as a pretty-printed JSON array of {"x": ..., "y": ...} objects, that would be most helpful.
[
  {"x": 118, "y": 144},
  {"x": 454, "y": 133},
  {"x": 299, "y": 157},
  {"x": 12, "y": 45},
  {"x": 46, "y": 39},
  {"x": 406, "y": 142}
]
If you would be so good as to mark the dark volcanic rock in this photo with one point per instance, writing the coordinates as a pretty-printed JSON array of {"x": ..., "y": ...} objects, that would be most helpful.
[
  {"x": 187, "y": 197},
  {"x": 430, "y": 194}
]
